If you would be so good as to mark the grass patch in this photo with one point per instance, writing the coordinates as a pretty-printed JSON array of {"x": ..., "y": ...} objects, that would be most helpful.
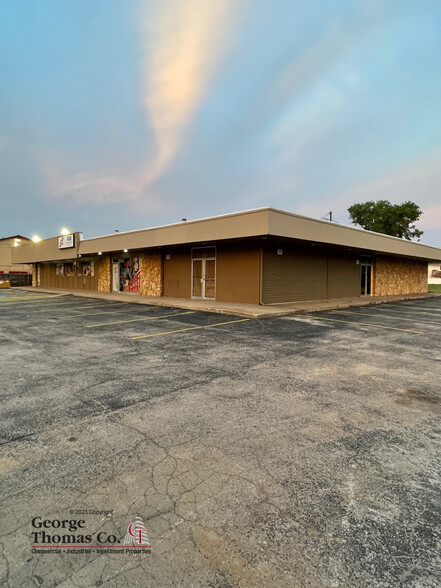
[{"x": 435, "y": 288}]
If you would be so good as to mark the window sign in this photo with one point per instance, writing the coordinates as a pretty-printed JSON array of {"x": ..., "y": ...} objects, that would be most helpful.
[
  {"x": 129, "y": 274},
  {"x": 59, "y": 269},
  {"x": 66, "y": 241}
]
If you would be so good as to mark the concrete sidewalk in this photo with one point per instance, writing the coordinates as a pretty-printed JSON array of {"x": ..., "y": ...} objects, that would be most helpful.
[{"x": 234, "y": 308}]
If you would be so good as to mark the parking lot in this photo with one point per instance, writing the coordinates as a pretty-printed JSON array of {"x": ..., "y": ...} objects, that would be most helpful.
[{"x": 293, "y": 451}]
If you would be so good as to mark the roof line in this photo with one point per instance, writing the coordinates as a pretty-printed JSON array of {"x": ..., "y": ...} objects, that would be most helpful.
[
  {"x": 15, "y": 237},
  {"x": 194, "y": 221}
]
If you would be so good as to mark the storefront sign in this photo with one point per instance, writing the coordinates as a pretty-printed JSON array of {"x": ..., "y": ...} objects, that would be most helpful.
[{"x": 66, "y": 241}]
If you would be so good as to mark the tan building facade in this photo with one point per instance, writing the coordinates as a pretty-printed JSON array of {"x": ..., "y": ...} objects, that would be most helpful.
[
  {"x": 263, "y": 256},
  {"x": 16, "y": 274}
]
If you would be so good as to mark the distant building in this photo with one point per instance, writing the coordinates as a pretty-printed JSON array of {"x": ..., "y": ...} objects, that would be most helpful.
[
  {"x": 434, "y": 275},
  {"x": 18, "y": 274},
  {"x": 262, "y": 256}
]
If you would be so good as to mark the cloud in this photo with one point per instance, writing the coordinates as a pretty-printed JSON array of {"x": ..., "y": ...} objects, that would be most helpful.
[{"x": 183, "y": 41}]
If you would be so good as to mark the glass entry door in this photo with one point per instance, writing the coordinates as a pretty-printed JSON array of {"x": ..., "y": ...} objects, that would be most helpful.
[
  {"x": 366, "y": 276},
  {"x": 115, "y": 275},
  {"x": 197, "y": 278},
  {"x": 209, "y": 278},
  {"x": 204, "y": 278}
]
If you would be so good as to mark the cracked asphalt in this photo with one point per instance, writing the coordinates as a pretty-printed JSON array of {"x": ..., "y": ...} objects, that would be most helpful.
[{"x": 301, "y": 451}]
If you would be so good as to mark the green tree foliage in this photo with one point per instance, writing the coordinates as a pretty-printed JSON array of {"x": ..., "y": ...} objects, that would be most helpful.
[{"x": 390, "y": 219}]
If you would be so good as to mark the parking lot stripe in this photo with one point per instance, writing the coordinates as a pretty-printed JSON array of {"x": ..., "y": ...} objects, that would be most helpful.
[
  {"x": 407, "y": 310},
  {"x": 323, "y": 318},
  {"x": 27, "y": 298},
  {"x": 148, "y": 318},
  {"x": 80, "y": 307},
  {"x": 114, "y": 311},
  {"x": 30, "y": 300},
  {"x": 397, "y": 318},
  {"x": 190, "y": 329}
]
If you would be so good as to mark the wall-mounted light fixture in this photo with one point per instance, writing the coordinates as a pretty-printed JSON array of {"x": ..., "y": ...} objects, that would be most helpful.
[
  {"x": 36, "y": 238},
  {"x": 79, "y": 254},
  {"x": 100, "y": 252},
  {"x": 126, "y": 250},
  {"x": 64, "y": 231}
]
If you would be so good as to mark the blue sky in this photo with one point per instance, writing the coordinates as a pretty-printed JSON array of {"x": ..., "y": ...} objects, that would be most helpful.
[{"x": 122, "y": 114}]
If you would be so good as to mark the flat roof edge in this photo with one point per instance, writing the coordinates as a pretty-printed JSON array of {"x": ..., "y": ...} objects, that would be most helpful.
[{"x": 350, "y": 228}]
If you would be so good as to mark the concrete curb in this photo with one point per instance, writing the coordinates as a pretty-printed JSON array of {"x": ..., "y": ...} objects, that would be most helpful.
[{"x": 241, "y": 310}]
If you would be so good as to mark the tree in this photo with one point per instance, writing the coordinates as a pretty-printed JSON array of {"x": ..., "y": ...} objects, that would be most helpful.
[{"x": 390, "y": 219}]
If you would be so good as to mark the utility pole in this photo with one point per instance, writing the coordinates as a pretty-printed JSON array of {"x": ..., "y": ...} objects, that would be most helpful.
[{"x": 328, "y": 216}]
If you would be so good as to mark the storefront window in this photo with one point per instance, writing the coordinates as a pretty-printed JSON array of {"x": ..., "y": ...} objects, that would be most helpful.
[
  {"x": 59, "y": 269},
  {"x": 86, "y": 269},
  {"x": 129, "y": 274},
  {"x": 69, "y": 269}
]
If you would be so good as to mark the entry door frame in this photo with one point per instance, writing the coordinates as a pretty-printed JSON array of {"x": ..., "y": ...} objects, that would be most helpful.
[{"x": 203, "y": 259}]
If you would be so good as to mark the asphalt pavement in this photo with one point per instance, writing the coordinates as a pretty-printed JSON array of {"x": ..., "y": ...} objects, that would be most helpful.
[{"x": 291, "y": 451}]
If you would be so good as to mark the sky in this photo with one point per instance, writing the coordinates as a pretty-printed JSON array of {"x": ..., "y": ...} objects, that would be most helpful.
[{"x": 124, "y": 114}]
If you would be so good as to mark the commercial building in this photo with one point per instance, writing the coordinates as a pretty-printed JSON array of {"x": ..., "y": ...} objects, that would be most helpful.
[
  {"x": 262, "y": 256},
  {"x": 14, "y": 274}
]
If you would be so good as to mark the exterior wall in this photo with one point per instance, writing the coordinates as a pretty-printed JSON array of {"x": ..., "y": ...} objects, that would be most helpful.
[
  {"x": 344, "y": 279},
  {"x": 150, "y": 265},
  {"x": 47, "y": 250},
  {"x": 238, "y": 273},
  {"x": 303, "y": 274},
  {"x": 294, "y": 275},
  {"x": 394, "y": 275},
  {"x": 49, "y": 279},
  {"x": 177, "y": 272},
  {"x": 104, "y": 274}
]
